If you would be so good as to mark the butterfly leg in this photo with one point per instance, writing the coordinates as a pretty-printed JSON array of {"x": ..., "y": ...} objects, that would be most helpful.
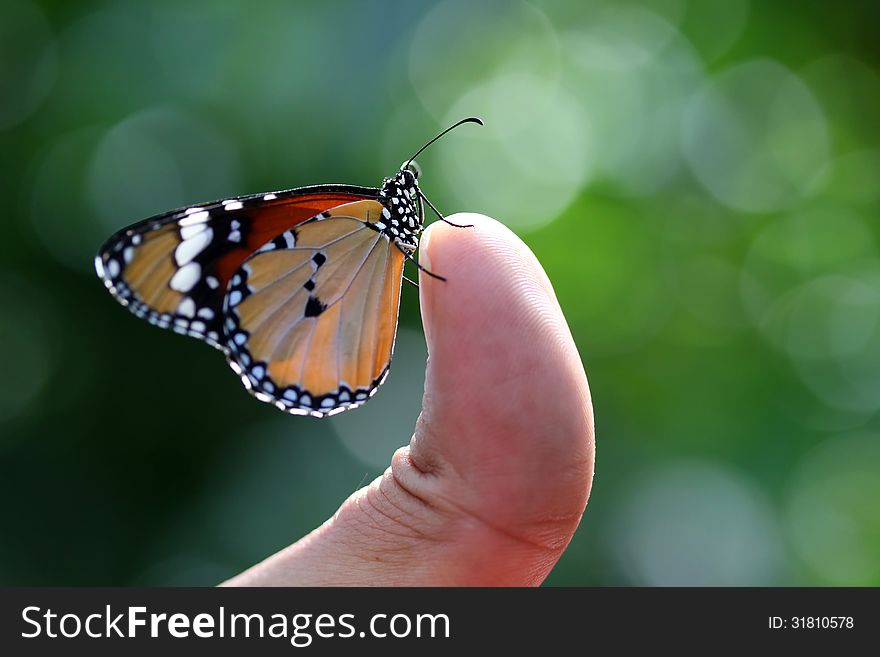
[
  {"x": 411, "y": 282},
  {"x": 442, "y": 218},
  {"x": 408, "y": 256}
]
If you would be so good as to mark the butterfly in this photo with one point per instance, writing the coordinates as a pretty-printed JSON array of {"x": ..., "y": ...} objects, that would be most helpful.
[{"x": 299, "y": 289}]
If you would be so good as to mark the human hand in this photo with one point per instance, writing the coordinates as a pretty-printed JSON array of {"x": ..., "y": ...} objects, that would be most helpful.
[{"x": 497, "y": 474}]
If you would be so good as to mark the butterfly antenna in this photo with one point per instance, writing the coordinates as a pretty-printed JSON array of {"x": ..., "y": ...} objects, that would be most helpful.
[
  {"x": 409, "y": 257},
  {"x": 470, "y": 119},
  {"x": 440, "y": 216}
]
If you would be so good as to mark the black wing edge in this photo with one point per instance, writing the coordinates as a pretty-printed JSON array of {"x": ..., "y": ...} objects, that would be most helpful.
[{"x": 163, "y": 218}]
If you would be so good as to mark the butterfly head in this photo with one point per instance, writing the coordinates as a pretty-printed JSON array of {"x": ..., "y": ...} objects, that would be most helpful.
[
  {"x": 412, "y": 167},
  {"x": 402, "y": 217},
  {"x": 404, "y": 185}
]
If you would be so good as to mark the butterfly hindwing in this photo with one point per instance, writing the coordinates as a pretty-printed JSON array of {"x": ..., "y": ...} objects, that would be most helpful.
[
  {"x": 310, "y": 319},
  {"x": 174, "y": 269}
]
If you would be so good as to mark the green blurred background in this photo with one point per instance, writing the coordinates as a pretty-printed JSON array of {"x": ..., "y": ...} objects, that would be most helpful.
[{"x": 700, "y": 178}]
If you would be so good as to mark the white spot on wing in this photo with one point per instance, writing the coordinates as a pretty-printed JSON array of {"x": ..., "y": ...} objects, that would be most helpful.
[
  {"x": 188, "y": 231},
  {"x": 186, "y": 277},
  {"x": 190, "y": 248},
  {"x": 187, "y": 307},
  {"x": 195, "y": 218}
]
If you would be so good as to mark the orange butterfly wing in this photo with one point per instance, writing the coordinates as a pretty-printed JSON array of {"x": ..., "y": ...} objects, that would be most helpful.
[
  {"x": 310, "y": 320},
  {"x": 173, "y": 269}
]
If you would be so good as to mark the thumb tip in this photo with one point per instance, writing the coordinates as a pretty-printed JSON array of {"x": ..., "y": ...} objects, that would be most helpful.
[
  {"x": 445, "y": 245},
  {"x": 496, "y": 300},
  {"x": 444, "y": 250}
]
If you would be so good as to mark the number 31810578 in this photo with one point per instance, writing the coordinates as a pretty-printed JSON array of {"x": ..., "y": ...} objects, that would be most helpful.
[{"x": 811, "y": 622}]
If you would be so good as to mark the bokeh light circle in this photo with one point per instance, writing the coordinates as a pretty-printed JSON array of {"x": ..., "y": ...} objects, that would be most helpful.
[
  {"x": 524, "y": 179},
  {"x": 811, "y": 284},
  {"x": 176, "y": 157},
  {"x": 696, "y": 524},
  {"x": 831, "y": 331},
  {"x": 503, "y": 62},
  {"x": 832, "y": 516},
  {"x": 619, "y": 37},
  {"x": 462, "y": 45},
  {"x": 793, "y": 249},
  {"x": 756, "y": 138},
  {"x": 92, "y": 182},
  {"x": 60, "y": 214},
  {"x": 632, "y": 71}
]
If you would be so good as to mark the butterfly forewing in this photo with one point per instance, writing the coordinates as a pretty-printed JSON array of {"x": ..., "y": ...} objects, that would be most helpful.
[
  {"x": 310, "y": 319},
  {"x": 174, "y": 269}
]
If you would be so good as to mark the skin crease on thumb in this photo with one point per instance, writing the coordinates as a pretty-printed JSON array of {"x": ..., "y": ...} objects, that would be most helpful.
[{"x": 506, "y": 430}]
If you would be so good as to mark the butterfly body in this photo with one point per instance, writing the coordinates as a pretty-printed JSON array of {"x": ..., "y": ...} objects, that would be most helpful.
[
  {"x": 402, "y": 214},
  {"x": 299, "y": 289}
]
